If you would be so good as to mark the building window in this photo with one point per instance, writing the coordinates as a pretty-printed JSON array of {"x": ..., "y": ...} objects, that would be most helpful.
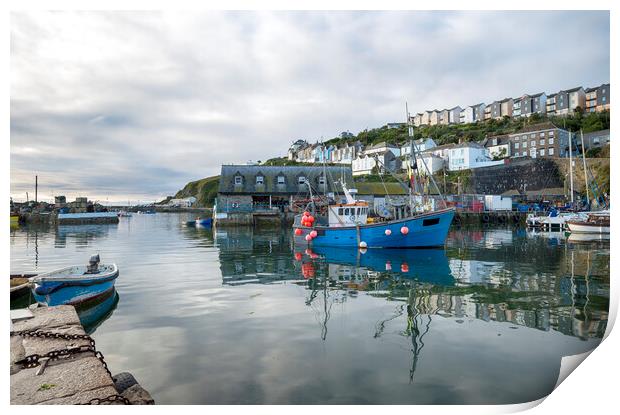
[
  {"x": 604, "y": 99},
  {"x": 533, "y": 143},
  {"x": 542, "y": 151},
  {"x": 532, "y": 135},
  {"x": 551, "y": 133},
  {"x": 280, "y": 179},
  {"x": 550, "y": 140},
  {"x": 542, "y": 141},
  {"x": 542, "y": 135},
  {"x": 524, "y": 153},
  {"x": 551, "y": 151},
  {"x": 301, "y": 180},
  {"x": 260, "y": 180},
  {"x": 524, "y": 144},
  {"x": 238, "y": 180},
  {"x": 516, "y": 145}
]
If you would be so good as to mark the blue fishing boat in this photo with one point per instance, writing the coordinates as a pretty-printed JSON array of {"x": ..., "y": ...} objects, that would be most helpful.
[
  {"x": 76, "y": 284},
  {"x": 416, "y": 225}
]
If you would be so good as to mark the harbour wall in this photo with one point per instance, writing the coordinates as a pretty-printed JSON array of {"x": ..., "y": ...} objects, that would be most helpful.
[
  {"x": 77, "y": 375},
  {"x": 520, "y": 175}
]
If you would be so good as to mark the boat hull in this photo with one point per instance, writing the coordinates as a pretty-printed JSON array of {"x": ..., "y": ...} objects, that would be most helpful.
[
  {"x": 582, "y": 227},
  {"x": 58, "y": 291},
  {"x": 424, "y": 231}
]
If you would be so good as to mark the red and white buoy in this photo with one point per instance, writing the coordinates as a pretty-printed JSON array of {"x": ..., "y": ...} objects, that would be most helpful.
[{"x": 404, "y": 230}]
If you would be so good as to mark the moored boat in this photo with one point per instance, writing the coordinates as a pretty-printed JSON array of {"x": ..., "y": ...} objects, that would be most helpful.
[
  {"x": 75, "y": 284},
  {"x": 596, "y": 222},
  {"x": 416, "y": 225}
]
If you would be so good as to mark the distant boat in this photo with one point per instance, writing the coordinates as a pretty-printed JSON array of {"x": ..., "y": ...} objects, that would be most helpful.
[
  {"x": 124, "y": 214},
  {"x": 595, "y": 222},
  {"x": 76, "y": 284}
]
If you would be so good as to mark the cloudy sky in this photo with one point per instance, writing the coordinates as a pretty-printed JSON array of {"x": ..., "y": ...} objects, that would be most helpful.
[{"x": 132, "y": 105}]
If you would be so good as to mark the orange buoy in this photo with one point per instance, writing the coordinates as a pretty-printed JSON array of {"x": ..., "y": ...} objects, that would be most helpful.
[{"x": 298, "y": 232}]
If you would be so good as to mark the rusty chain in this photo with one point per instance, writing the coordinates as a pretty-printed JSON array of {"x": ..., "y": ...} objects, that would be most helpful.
[
  {"x": 33, "y": 360},
  {"x": 111, "y": 398}
]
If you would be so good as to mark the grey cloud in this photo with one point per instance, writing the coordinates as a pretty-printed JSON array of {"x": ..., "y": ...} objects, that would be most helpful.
[{"x": 127, "y": 104}]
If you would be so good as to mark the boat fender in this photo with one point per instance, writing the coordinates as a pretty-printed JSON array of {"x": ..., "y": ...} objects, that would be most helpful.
[
  {"x": 308, "y": 237},
  {"x": 388, "y": 232},
  {"x": 388, "y": 266},
  {"x": 404, "y": 230},
  {"x": 298, "y": 232},
  {"x": 404, "y": 267},
  {"x": 363, "y": 250},
  {"x": 298, "y": 256},
  {"x": 363, "y": 245},
  {"x": 123, "y": 381},
  {"x": 313, "y": 234}
]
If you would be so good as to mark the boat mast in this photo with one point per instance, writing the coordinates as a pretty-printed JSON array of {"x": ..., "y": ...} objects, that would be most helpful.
[
  {"x": 570, "y": 162},
  {"x": 585, "y": 170},
  {"x": 411, "y": 157}
]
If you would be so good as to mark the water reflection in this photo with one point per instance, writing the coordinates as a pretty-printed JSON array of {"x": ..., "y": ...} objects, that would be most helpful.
[
  {"x": 93, "y": 313},
  {"x": 499, "y": 275},
  {"x": 244, "y": 316},
  {"x": 81, "y": 235}
]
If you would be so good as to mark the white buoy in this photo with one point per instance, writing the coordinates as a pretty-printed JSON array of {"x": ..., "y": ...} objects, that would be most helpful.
[
  {"x": 363, "y": 245},
  {"x": 388, "y": 232}
]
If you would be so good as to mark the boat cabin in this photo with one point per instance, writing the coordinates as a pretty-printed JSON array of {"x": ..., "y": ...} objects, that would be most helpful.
[{"x": 348, "y": 214}]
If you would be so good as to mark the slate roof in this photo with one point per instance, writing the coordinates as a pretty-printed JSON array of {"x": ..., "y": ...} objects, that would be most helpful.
[
  {"x": 270, "y": 173},
  {"x": 501, "y": 140}
]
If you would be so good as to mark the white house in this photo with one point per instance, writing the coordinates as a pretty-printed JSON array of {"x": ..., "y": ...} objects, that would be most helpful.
[
  {"x": 467, "y": 115},
  {"x": 454, "y": 115},
  {"x": 185, "y": 202},
  {"x": 382, "y": 148},
  {"x": 469, "y": 156},
  {"x": 499, "y": 147},
  {"x": 429, "y": 162},
  {"x": 421, "y": 144},
  {"x": 386, "y": 154}
]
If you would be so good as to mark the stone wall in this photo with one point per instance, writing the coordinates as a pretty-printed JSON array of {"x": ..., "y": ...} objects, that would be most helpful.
[{"x": 520, "y": 175}]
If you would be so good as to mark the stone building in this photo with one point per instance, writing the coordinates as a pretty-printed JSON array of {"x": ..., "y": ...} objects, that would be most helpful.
[{"x": 247, "y": 193}]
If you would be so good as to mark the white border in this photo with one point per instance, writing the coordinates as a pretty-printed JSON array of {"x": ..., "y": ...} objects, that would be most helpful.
[{"x": 589, "y": 390}]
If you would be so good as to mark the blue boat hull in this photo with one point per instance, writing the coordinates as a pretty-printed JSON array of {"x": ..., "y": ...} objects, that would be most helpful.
[
  {"x": 55, "y": 293},
  {"x": 425, "y": 231}
]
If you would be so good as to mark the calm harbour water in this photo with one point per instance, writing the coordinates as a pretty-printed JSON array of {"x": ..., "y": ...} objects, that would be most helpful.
[{"x": 231, "y": 316}]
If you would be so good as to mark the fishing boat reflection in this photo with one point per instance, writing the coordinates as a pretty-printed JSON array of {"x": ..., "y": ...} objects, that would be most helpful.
[
  {"x": 426, "y": 265},
  {"x": 93, "y": 313}
]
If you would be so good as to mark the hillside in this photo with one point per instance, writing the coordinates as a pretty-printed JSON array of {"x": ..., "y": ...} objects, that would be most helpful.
[{"x": 204, "y": 190}]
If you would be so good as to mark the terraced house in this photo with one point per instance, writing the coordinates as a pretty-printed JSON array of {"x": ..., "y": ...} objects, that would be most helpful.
[{"x": 564, "y": 102}]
